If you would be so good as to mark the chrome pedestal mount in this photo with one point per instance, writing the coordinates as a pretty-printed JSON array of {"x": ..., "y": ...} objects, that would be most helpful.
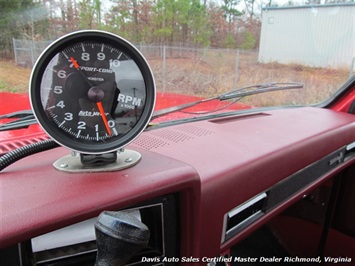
[{"x": 79, "y": 163}]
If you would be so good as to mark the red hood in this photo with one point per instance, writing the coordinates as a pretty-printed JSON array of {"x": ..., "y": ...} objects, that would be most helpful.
[{"x": 13, "y": 139}]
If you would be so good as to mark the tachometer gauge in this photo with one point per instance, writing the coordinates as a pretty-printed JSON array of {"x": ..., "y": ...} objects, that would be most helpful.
[{"x": 92, "y": 92}]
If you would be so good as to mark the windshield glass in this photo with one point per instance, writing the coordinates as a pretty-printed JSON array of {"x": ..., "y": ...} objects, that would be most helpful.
[{"x": 198, "y": 49}]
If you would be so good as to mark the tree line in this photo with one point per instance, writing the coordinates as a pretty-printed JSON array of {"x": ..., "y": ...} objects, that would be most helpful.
[{"x": 223, "y": 23}]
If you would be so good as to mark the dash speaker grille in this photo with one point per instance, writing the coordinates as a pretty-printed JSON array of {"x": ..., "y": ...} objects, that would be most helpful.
[
  {"x": 149, "y": 142},
  {"x": 167, "y": 136}
]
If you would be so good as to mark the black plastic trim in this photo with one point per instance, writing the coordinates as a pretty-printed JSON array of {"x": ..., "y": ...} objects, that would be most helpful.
[{"x": 294, "y": 183}]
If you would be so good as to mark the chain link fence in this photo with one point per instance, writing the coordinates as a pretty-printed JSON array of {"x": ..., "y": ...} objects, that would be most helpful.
[
  {"x": 194, "y": 71},
  {"x": 207, "y": 72},
  {"x": 27, "y": 51}
]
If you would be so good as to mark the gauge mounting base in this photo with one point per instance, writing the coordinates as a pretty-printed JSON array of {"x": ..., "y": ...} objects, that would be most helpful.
[{"x": 73, "y": 164}]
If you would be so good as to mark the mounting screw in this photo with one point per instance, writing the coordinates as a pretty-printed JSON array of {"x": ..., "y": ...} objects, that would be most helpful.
[
  {"x": 128, "y": 160},
  {"x": 64, "y": 165}
]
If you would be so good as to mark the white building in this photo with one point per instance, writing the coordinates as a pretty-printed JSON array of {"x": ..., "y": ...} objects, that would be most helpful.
[{"x": 315, "y": 35}]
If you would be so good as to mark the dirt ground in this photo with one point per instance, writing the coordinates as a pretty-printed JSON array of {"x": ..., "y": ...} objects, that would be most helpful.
[{"x": 13, "y": 78}]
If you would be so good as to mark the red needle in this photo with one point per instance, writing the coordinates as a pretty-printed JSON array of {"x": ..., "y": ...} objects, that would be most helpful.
[
  {"x": 103, "y": 115},
  {"x": 99, "y": 104},
  {"x": 76, "y": 65}
]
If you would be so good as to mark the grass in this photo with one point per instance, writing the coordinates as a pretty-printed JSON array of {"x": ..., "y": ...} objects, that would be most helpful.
[
  {"x": 213, "y": 73},
  {"x": 13, "y": 78},
  {"x": 4, "y": 86}
]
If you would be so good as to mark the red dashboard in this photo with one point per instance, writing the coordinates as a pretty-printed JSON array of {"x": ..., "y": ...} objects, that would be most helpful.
[{"x": 213, "y": 166}]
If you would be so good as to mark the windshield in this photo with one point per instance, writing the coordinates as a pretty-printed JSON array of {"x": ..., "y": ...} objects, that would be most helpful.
[{"x": 198, "y": 49}]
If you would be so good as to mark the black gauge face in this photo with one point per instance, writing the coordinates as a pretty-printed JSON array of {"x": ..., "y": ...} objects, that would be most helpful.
[{"x": 92, "y": 92}]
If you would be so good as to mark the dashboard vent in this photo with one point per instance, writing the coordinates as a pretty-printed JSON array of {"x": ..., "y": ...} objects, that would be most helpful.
[
  {"x": 248, "y": 212},
  {"x": 237, "y": 118},
  {"x": 240, "y": 217}
]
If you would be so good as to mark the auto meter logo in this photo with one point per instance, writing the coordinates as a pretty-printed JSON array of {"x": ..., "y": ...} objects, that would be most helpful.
[
  {"x": 90, "y": 114},
  {"x": 128, "y": 101}
]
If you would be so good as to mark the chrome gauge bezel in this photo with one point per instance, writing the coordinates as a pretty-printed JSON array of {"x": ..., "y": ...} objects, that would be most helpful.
[{"x": 54, "y": 131}]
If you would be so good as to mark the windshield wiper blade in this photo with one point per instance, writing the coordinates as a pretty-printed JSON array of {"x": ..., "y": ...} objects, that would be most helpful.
[
  {"x": 25, "y": 119},
  {"x": 235, "y": 94},
  {"x": 17, "y": 114},
  {"x": 259, "y": 88}
]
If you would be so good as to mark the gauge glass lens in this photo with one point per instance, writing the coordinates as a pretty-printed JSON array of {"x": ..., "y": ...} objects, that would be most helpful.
[{"x": 92, "y": 93}]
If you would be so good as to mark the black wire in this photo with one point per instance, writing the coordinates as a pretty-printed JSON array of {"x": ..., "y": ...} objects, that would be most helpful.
[{"x": 17, "y": 154}]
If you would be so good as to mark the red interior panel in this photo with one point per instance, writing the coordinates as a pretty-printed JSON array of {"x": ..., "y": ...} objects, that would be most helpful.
[{"x": 214, "y": 165}]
